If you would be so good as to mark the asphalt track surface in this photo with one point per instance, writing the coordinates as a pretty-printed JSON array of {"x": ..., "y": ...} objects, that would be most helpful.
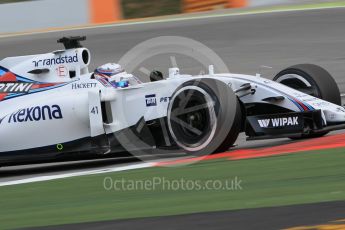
[
  {"x": 263, "y": 43},
  {"x": 260, "y": 218}
]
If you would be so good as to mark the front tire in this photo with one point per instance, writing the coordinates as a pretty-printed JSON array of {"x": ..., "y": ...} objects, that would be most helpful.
[
  {"x": 204, "y": 117},
  {"x": 313, "y": 80}
]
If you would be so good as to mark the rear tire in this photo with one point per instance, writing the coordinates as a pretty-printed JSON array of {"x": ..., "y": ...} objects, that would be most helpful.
[
  {"x": 313, "y": 80},
  {"x": 212, "y": 113}
]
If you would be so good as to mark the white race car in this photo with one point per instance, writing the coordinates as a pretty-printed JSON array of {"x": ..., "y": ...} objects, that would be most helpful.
[{"x": 51, "y": 105}]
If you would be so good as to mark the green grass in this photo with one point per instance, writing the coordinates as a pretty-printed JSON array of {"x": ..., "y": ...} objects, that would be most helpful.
[
  {"x": 293, "y": 179},
  {"x": 141, "y": 9}
]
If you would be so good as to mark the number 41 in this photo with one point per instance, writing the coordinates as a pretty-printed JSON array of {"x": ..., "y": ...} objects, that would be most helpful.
[{"x": 94, "y": 110}]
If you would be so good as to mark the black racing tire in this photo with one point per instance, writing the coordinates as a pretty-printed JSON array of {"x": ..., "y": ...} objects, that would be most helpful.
[
  {"x": 212, "y": 112},
  {"x": 323, "y": 85},
  {"x": 313, "y": 80}
]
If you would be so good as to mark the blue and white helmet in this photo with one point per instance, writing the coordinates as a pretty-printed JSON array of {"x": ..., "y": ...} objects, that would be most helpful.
[{"x": 109, "y": 70}]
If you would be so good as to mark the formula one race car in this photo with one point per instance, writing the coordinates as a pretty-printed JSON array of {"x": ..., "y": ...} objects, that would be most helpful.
[{"x": 50, "y": 105}]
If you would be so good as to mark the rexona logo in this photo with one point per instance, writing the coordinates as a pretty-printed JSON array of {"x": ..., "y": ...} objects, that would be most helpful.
[
  {"x": 56, "y": 61},
  {"x": 15, "y": 87},
  {"x": 151, "y": 100},
  {"x": 278, "y": 122},
  {"x": 37, "y": 113}
]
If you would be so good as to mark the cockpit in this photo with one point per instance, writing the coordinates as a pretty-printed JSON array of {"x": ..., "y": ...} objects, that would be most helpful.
[{"x": 112, "y": 74}]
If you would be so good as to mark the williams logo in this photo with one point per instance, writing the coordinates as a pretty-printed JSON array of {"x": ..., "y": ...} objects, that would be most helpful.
[
  {"x": 278, "y": 122},
  {"x": 151, "y": 100},
  {"x": 15, "y": 87},
  {"x": 37, "y": 113},
  {"x": 56, "y": 61}
]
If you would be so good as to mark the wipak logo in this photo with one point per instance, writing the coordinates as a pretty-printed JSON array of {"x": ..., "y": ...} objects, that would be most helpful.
[
  {"x": 278, "y": 122},
  {"x": 264, "y": 123}
]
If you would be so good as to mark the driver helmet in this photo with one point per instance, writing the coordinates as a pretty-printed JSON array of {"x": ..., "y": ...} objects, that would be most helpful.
[
  {"x": 114, "y": 73},
  {"x": 108, "y": 70}
]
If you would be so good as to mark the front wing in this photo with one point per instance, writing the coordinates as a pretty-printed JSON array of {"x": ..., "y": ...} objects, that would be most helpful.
[{"x": 294, "y": 124}]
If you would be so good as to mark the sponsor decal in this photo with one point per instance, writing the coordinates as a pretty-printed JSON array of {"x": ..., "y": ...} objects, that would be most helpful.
[
  {"x": 311, "y": 99},
  {"x": 2, "y": 119},
  {"x": 278, "y": 122},
  {"x": 12, "y": 85},
  {"x": 59, "y": 147},
  {"x": 300, "y": 95},
  {"x": 103, "y": 81},
  {"x": 83, "y": 85},
  {"x": 340, "y": 109},
  {"x": 321, "y": 103},
  {"x": 331, "y": 116},
  {"x": 56, "y": 61},
  {"x": 15, "y": 87},
  {"x": 62, "y": 71},
  {"x": 151, "y": 100},
  {"x": 37, "y": 113},
  {"x": 164, "y": 99},
  {"x": 264, "y": 123}
]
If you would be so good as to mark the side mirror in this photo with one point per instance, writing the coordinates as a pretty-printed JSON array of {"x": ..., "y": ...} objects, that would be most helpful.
[{"x": 156, "y": 75}]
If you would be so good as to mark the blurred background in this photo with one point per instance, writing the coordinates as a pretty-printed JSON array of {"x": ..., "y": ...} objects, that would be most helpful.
[{"x": 42, "y": 15}]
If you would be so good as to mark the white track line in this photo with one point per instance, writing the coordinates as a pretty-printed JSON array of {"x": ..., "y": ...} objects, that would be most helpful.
[{"x": 75, "y": 174}]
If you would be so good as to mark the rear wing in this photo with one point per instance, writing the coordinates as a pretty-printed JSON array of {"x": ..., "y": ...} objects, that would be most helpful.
[{"x": 60, "y": 65}]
